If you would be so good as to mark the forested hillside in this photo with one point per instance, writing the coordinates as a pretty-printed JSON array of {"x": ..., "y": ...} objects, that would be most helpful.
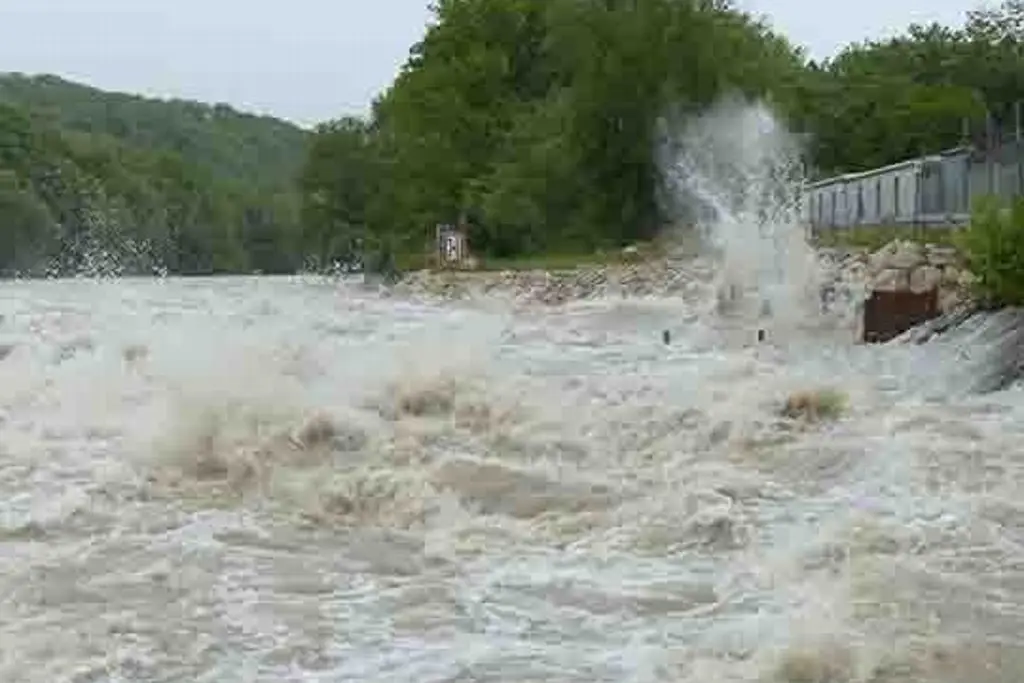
[
  {"x": 535, "y": 118},
  {"x": 94, "y": 181},
  {"x": 229, "y": 144}
]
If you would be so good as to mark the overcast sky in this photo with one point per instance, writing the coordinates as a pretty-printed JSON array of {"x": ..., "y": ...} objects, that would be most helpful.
[{"x": 309, "y": 60}]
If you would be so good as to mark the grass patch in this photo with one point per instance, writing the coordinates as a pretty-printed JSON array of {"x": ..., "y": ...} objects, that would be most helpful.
[
  {"x": 551, "y": 261},
  {"x": 569, "y": 260},
  {"x": 406, "y": 262},
  {"x": 876, "y": 237}
]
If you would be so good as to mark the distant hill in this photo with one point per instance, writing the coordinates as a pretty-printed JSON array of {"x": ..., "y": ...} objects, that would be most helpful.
[
  {"x": 97, "y": 182},
  {"x": 232, "y": 145}
]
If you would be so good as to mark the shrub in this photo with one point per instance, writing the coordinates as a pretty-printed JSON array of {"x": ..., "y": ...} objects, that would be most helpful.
[{"x": 993, "y": 248}]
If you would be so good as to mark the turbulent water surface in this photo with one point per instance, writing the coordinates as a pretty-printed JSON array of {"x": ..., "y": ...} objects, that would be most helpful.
[{"x": 296, "y": 480}]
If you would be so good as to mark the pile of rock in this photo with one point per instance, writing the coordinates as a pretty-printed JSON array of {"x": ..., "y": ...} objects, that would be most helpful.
[
  {"x": 898, "y": 266},
  {"x": 906, "y": 266},
  {"x": 653, "y": 278},
  {"x": 650, "y": 278}
]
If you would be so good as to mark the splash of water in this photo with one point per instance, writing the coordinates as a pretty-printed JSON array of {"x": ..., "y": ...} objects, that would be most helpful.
[{"x": 735, "y": 173}]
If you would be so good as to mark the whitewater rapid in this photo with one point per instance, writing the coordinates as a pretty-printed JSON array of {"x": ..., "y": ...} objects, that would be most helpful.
[{"x": 285, "y": 479}]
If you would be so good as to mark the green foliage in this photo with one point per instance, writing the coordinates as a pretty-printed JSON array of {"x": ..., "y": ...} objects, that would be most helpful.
[
  {"x": 337, "y": 183},
  {"x": 993, "y": 246},
  {"x": 883, "y": 101},
  {"x": 28, "y": 231},
  {"x": 535, "y": 119},
  {"x": 230, "y": 145},
  {"x": 96, "y": 181}
]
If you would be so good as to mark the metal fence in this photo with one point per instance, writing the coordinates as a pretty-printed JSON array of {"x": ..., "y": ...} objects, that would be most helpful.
[
  {"x": 931, "y": 191},
  {"x": 999, "y": 172}
]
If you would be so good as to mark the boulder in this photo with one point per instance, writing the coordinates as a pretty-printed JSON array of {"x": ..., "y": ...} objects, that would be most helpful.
[
  {"x": 949, "y": 300},
  {"x": 966, "y": 280},
  {"x": 950, "y": 276},
  {"x": 891, "y": 280},
  {"x": 924, "y": 278},
  {"x": 906, "y": 255},
  {"x": 941, "y": 256}
]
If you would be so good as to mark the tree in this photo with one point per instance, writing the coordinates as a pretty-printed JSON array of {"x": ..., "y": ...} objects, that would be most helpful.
[
  {"x": 28, "y": 233},
  {"x": 1003, "y": 23},
  {"x": 136, "y": 186},
  {"x": 536, "y": 119},
  {"x": 337, "y": 182}
]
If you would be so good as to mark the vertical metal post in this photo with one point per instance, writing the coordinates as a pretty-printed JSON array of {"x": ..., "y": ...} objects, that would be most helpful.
[
  {"x": 967, "y": 186},
  {"x": 1017, "y": 147},
  {"x": 990, "y": 176},
  {"x": 917, "y": 223}
]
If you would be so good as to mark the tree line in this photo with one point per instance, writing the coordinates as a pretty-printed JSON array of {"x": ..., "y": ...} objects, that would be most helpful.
[
  {"x": 104, "y": 183},
  {"x": 535, "y": 119}
]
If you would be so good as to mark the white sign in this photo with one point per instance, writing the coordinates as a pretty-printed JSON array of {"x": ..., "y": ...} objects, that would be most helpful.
[{"x": 451, "y": 248}]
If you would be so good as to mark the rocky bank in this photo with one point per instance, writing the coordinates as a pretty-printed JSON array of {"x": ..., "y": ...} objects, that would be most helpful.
[
  {"x": 660, "y": 277},
  {"x": 903, "y": 266},
  {"x": 898, "y": 265}
]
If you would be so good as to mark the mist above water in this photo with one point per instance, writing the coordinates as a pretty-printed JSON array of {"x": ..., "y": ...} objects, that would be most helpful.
[{"x": 734, "y": 173}]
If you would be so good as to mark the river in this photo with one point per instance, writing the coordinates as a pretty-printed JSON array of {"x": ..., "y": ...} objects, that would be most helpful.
[{"x": 285, "y": 479}]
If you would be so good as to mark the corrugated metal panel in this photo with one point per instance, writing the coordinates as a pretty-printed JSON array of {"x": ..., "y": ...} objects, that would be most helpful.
[
  {"x": 932, "y": 196},
  {"x": 938, "y": 189},
  {"x": 872, "y": 196},
  {"x": 955, "y": 179},
  {"x": 906, "y": 209}
]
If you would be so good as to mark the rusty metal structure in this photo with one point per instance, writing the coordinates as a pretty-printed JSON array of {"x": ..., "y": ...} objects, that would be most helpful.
[{"x": 888, "y": 314}]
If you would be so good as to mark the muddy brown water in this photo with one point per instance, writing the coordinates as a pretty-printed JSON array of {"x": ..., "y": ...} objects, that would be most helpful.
[{"x": 295, "y": 480}]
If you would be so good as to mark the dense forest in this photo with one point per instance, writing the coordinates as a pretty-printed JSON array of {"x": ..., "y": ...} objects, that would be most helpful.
[
  {"x": 535, "y": 120},
  {"x": 105, "y": 183}
]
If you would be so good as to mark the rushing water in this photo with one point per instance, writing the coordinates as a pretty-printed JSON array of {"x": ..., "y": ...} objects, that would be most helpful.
[
  {"x": 736, "y": 172},
  {"x": 289, "y": 480},
  {"x": 260, "y": 479}
]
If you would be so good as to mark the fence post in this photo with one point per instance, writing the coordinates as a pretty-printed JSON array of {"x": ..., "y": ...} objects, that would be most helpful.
[
  {"x": 916, "y": 227},
  {"x": 990, "y": 176},
  {"x": 1017, "y": 147}
]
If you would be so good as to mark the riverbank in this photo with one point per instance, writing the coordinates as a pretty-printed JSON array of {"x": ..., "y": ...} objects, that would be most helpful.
[
  {"x": 900, "y": 265},
  {"x": 654, "y": 277},
  {"x": 903, "y": 266}
]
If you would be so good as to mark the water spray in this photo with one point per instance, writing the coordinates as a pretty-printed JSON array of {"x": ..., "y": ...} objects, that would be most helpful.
[{"x": 736, "y": 175}]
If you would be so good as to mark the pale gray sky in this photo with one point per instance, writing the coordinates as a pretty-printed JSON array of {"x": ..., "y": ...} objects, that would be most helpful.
[
  {"x": 309, "y": 60},
  {"x": 824, "y": 26}
]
